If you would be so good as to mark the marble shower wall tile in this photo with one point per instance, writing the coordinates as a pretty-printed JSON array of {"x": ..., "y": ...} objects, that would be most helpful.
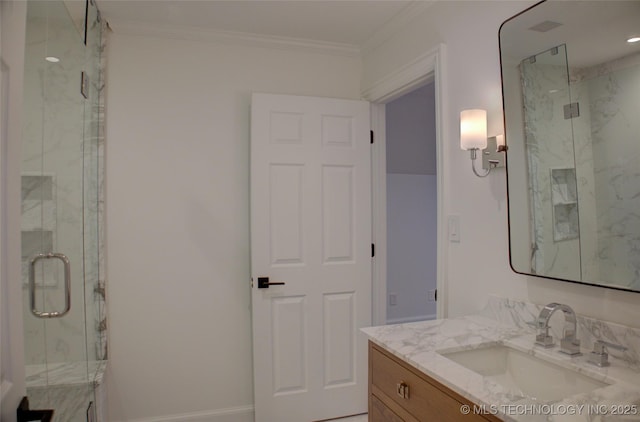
[
  {"x": 65, "y": 373},
  {"x": 70, "y": 403},
  {"x": 101, "y": 303},
  {"x": 585, "y": 181},
  {"x": 68, "y": 388},
  {"x": 614, "y": 90},
  {"x": 93, "y": 168}
]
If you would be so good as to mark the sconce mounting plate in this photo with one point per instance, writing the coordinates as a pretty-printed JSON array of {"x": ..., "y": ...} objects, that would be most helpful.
[{"x": 491, "y": 158}]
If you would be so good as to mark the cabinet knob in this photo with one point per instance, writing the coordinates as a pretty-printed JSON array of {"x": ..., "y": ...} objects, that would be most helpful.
[{"x": 402, "y": 388}]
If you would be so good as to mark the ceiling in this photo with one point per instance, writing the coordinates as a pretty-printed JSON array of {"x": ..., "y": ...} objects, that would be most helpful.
[
  {"x": 335, "y": 21},
  {"x": 595, "y": 32}
]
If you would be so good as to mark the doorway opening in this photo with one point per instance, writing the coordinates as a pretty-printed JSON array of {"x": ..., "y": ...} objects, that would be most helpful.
[
  {"x": 428, "y": 69},
  {"x": 411, "y": 179}
]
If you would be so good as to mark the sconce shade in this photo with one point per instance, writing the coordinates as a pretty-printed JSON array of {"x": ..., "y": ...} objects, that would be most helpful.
[{"x": 473, "y": 129}]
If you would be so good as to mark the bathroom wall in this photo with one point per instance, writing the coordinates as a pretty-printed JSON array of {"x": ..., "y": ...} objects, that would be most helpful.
[
  {"x": 479, "y": 264},
  {"x": 411, "y": 246},
  {"x": 178, "y": 216},
  {"x": 411, "y": 205},
  {"x": 178, "y": 211}
]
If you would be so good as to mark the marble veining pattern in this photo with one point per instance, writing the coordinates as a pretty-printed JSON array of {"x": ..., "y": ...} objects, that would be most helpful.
[
  {"x": 70, "y": 403},
  {"x": 615, "y": 98},
  {"x": 506, "y": 322},
  {"x": 67, "y": 373},
  {"x": 68, "y": 388}
]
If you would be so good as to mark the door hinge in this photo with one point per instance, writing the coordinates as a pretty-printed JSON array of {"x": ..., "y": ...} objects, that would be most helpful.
[
  {"x": 371, "y": 136},
  {"x": 435, "y": 295},
  {"x": 373, "y": 250}
]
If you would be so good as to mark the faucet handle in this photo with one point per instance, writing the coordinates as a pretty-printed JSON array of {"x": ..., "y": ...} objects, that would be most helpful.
[
  {"x": 599, "y": 355},
  {"x": 601, "y": 345},
  {"x": 543, "y": 338}
]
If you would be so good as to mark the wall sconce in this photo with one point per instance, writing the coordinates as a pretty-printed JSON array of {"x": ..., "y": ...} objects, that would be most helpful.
[{"x": 473, "y": 137}]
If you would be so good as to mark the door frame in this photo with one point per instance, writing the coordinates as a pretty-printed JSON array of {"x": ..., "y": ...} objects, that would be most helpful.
[{"x": 426, "y": 68}]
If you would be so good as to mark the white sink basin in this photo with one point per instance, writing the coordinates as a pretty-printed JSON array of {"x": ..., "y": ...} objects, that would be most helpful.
[{"x": 523, "y": 374}]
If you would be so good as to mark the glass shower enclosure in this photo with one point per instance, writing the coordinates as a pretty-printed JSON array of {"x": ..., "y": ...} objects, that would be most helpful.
[
  {"x": 551, "y": 162},
  {"x": 62, "y": 168}
]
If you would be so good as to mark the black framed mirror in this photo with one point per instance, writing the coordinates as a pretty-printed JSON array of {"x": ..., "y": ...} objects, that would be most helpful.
[{"x": 571, "y": 97}]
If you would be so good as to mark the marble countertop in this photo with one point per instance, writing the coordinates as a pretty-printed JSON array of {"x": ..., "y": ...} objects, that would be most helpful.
[{"x": 419, "y": 343}]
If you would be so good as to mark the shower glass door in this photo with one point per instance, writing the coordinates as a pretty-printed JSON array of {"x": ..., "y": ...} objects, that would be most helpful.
[
  {"x": 60, "y": 167},
  {"x": 551, "y": 163}
]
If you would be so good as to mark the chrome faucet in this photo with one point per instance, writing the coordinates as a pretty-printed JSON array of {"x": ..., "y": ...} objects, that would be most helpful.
[{"x": 569, "y": 343}]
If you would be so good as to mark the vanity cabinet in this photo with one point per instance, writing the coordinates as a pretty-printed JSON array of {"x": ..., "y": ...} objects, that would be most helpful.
[{"x": 399, "y": 392}]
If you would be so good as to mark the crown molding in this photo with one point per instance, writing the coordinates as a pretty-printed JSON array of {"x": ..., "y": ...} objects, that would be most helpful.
[
  {"x": 243, "y": 38},
  {"x": 395, "y": 24}
]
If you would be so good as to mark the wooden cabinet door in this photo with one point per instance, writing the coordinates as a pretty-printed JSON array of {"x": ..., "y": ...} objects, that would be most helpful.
[{"x": 425, "y": 399}]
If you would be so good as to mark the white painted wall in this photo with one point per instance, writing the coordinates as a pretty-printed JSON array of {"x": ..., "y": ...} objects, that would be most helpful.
[
  {"x": 178, "y": 217},
  {"x": 478, "y": 265},
  {"x": 411, "y": 245},
  {"x": 178, "y": 240},
  {"x": 411, "y": 132}
]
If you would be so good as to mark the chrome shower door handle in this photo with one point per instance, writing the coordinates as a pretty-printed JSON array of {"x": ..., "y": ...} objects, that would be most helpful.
[{"x": 67, "y": 285}]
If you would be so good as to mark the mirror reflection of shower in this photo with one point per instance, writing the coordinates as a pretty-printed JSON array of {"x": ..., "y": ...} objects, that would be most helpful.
[
  {"x": 582, "y": 158},
  {"x": 552, "y": 171}
]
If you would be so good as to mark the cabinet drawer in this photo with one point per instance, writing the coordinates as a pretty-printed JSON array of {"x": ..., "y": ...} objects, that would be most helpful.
[
  {"x": 378, "y": 412},
  {"x": 420, "y": 398}
]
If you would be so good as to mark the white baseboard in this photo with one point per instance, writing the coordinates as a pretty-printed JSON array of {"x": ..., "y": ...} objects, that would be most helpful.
[
  {"x": 233, "y": 414},
  {"x": 411, "y": 319}
]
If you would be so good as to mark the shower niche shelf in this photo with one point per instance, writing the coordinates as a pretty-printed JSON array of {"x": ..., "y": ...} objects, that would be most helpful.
[{"x": 564, "y": 200}]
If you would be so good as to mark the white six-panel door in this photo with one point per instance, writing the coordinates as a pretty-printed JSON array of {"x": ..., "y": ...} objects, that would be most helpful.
[{"x": 310, "y": 229}]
